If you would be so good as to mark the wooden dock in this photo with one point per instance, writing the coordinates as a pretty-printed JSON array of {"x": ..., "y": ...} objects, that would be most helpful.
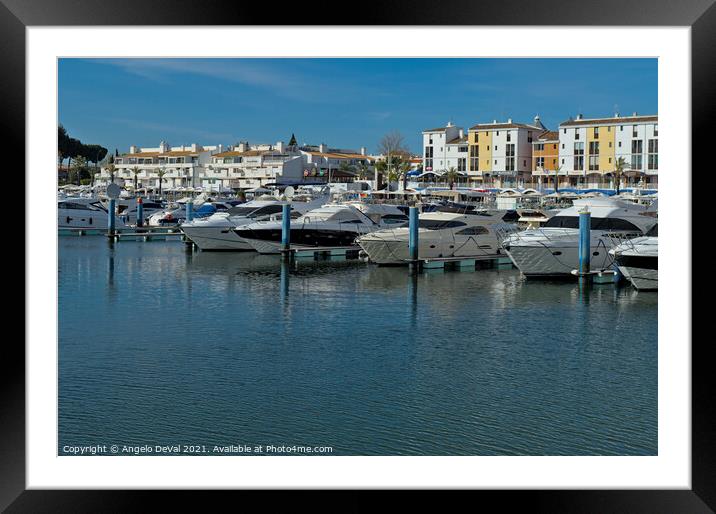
[
  {"x": 147, "y": 234},
  {"x": 464, "y": 263},
  {"x": 345, "y": 252}
]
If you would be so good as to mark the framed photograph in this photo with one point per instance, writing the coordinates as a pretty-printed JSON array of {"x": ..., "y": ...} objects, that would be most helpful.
[{"x": 415, "y": 251}]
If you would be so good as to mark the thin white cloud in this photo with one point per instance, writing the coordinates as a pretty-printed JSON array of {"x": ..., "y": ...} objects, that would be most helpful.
[{"x": 277, "y": 77}]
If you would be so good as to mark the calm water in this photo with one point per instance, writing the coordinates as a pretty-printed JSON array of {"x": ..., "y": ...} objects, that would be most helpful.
[{"x": 159, "y": 346}]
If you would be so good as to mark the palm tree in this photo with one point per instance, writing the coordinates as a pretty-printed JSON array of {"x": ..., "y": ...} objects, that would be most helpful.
[
  {"x": 160, "y": 173},
  {"x": 557, "y": 169},
  {"x": 404, "y": 168},
  {"x": 135, "y": 171},
  {"x": 380, "y": 168},
  {"x": 363, "y": 171},
  {"x": 111, "y": 168},
  {"x": 393, "y": 175},
  {"x": 618, "y": 172},
  {"x": 451, "y": 176}
]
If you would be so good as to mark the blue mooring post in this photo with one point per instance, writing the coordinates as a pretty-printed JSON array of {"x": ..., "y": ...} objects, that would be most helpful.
[
  {"x": 286, "y": 227},
  {"x": 110, "y": 216},
  {"x": 585, "y": 249},
  {"x": 140, "y": 212},
  {"x": 189, "y": 210},
  {"x": 413, "y": 240}
]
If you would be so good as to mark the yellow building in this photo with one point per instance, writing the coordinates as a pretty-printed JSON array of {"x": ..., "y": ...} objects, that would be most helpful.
[
  {"x": 590, "y": 148},
  {"x": 500, "y": 153}
]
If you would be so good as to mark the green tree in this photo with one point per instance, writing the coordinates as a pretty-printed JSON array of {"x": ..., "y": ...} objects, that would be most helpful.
[
  {"x": 380, "y": 168},
  {"x": 363, "y": 171},
  {"x": 451, "y": 176},
  {"x": 79, "y": 169},
  {"x": 619, "y": 167},
  {"x": 136, "y": 171},
  {"x": 160, "y": 173},
  {"x": 557, "y": 169},
  {"x": 111, "y": 169},
  {"x": 404, "y": 169}
]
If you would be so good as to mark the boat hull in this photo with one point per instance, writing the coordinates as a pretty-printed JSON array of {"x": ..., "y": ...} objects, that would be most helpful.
[
  {"x": 396, "y": 251},
  {"x": 643, "y": 279},
  {"x": 217, "y": 239},
  {"x": 550, "y": 261}
]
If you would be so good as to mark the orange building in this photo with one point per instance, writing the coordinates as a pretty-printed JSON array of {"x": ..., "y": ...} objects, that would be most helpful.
[{"x": 545, "y": 157}]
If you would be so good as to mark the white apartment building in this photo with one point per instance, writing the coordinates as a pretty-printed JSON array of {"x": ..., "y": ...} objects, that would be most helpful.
[
  {"x": 590, "y": 147},
  {"x": 175, "y": 166},
  {"x": 322, "y": 162},
  {"x": 243, "y": 166},
  {"x": 444, "y": 148},
  {"x": 247, "y": 166},
  {"x": 500, "y": 153}
]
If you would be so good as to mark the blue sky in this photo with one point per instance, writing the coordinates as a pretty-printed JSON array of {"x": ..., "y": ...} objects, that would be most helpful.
[{"x": 344, "y": 103}]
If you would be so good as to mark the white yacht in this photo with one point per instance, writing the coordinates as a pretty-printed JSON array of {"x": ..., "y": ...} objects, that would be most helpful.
[
  {"x": 553, "y": 249},
  {"x": 216, "y": 232},
  {"x": 638, "y": 260},
  {"x": 473, "y": 234},
  {"x": 84, "y": 213},
  {"x": 330, "y": 226},
  {"x": 127, "y": 209}
]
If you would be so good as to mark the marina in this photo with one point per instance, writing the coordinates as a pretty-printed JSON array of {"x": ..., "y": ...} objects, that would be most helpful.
[
  {"x": 362, "y": 325},
  {"x": 330, "y": 275},
  {"x": 541, "y": 240}
]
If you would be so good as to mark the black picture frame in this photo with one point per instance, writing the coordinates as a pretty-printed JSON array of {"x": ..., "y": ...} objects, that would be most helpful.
[{"x": 700, "y": 15}]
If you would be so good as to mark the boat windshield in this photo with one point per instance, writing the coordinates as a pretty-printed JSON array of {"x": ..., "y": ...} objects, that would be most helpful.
[
  {"x": 96, "y": 206},
  {"x": 440, "y": 224},
  {"x": 595, "y": 223},
  {"x": 253, "y": 212}
]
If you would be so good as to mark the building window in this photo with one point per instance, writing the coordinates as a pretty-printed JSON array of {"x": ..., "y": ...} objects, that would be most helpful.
[
  {"x": 529, "y": 136},
  {"x": 653, "y": 158},
  {"x": 461, "y": 164},
  {"x": 539, "y": 146},
  {"x": 609, "y": 129},
  {"x": 565, "y": 131},
  {"x": 656, "y": 130},
  {"x": 429, "y": 158},
  {"x": 462, "y": 149},
  {"x": 562, "y": 146},
  {"x": 509, "y": 136},
  {"x": 596, "y": 132},
  {"x": 621, "y": 128},
  {"x": 576, "y": 133},
  {"x": 636, "y": 151},
  {"x": 593, "y": 156},
  {"x": 498, "y": 132},
  {"x": 539, "y": 163},
  {"x": 474, "y": 157},
  {"x": 610, "y": 144},
  {"x": 430, "y": 140},
  {"x": 510, "y": 158},
  {"x": 634, "y": 132},
  {"x": 578, "y": 156},
  {"x": 495, "y": 147}
]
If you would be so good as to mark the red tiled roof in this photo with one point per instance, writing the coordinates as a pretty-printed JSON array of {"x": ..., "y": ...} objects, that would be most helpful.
[
  {"x": 622, "y": 120},
  {"x": 491, "y": 126}
]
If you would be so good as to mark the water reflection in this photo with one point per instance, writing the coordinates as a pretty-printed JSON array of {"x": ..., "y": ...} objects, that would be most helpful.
[{"x": 371, "y": 360}]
